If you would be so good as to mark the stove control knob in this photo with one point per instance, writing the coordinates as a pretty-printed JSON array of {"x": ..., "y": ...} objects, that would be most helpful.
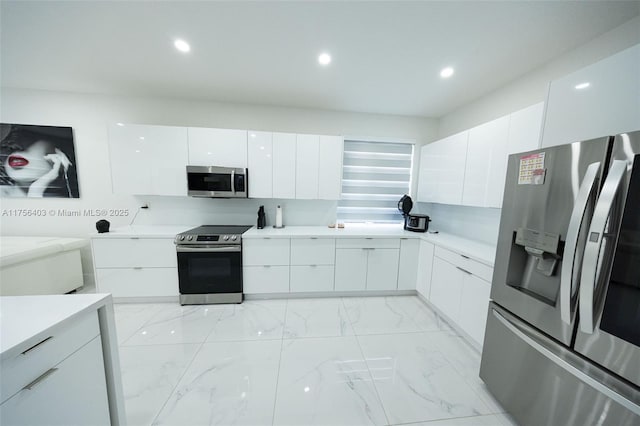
[
  {"x": 190, "y": 237},
  {"x": 234, "y": 237},
  {"x": 181, "y": 237},
  {"x": 226, "y": 238}
]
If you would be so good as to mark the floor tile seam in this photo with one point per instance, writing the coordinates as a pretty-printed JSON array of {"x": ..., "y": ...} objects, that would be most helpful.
[
  {"x": 275, "y": 393},
  {"x": 175, "y": 387},
  {"x": 426, "y": 422},
  {"x": 373, "y": 382},
  {"x": 157, "y": 312},
  {"x": 221, "y": 311}
]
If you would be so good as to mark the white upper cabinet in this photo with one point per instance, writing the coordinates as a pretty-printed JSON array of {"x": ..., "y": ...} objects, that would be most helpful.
[
  {"x": 598, "y": 100},
  {"x": 330, "y": 167},
  {"x": 148, "y": 160},
  {"x": 442, "y": 167},
  {"x": 260, "y": 164},
  {"x": 217, "y": 147},
  {"x": 284, "y": 165},
  {"x": 525, "y": 127},
  {"x": 486, "y": 163},
  {"x": 307, "y": 162}
]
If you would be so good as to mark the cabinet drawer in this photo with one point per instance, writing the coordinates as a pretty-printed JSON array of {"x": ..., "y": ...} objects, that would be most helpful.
[
  {"x": 138, "y": 282},
  {"x": 265, "y": 279},
  {"x": 71, "y": 392},
  {"x": 389, "y": 243},
  {"x": 311, "y": 278},
  {"x": 265, "y": 251},
  {"x": 446, "y": 288},
  {"x": 476, "y": 268},
  {"x": 132, "y": 252},
  {"x": 313, "y": 251},
  {"x": 42, "y": 354}
]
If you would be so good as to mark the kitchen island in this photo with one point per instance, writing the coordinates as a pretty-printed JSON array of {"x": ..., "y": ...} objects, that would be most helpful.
[{"x": 59, "y": 361}]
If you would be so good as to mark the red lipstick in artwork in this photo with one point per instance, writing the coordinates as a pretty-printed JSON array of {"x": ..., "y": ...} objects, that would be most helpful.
[{"x": 17, "y": 161}]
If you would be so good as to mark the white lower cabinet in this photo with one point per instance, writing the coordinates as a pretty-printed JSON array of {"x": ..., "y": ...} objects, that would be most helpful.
[
  {"x": 461, "y": 295},
  {"x": 311, "y": 278},
  {"x": 138, "y": 282},
  {"x": 265, "y": 279},
  {"x": 382, "y": 269},
  {"x": 351, "y": 269},
  {"x": 446, "y": 288},
  {"x": 59, "y": 380},
  {"x": 136, "y": 267},
  {"x": 367, "y": 264},
  {"x": 425, "y": 268},
  {"x": 474, "y": 305},
  {"x": 409, "y": 259}
]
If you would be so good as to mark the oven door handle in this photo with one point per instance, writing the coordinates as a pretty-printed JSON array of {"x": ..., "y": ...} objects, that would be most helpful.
[{"x": 224, "y": 249}]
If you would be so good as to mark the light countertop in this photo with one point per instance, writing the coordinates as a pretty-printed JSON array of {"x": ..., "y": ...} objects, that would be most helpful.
[
  {"x": 482, "y": 252},
  {"x": 26, "y": 319}
]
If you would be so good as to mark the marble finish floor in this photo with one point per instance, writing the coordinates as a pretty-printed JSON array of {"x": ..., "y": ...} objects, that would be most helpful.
[{"x": 334, "y": 361}]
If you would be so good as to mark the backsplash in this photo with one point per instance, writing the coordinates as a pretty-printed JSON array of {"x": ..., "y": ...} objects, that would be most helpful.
[
  {"x": 199, "y": 211},
  {"x": 477, "y": 223}
]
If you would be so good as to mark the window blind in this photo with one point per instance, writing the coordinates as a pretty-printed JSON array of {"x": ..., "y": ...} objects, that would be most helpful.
[{"x": 374, "y": 177}]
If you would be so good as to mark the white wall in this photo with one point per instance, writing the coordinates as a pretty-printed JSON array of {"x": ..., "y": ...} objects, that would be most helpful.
[{"x": 533, "y": 86}]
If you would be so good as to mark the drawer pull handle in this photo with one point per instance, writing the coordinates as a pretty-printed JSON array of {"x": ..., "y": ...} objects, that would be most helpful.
[
  {"x": 369, "y": 238},
  {"x": 137, "y": 268},
  {"x": 267, "y": 238},
  {"x": 267, "y": 266},
  {"x": 403, "y": 238},
  {"x": 135, "y": 238},
  {"x": 314, "y": 266},
  {"x": 36, "y": 345},
  {"x": 466, "y": 257},
  {"x": 40, "y": 379},
  {"x": 314, "y": 238},
  {"x": 464, "y": 270}
]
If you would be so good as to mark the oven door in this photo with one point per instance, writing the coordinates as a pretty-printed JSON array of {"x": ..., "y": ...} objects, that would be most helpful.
[{"x": 209, "y": 270}]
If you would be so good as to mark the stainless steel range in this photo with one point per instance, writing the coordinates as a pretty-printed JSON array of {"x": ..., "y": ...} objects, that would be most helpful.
[{"x": 210, "y": 264}]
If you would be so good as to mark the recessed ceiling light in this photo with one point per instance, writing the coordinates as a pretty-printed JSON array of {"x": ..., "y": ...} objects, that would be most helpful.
[
  {"x": 120, "y": 124},
  {"x": 446, "y": 72},
  {"x": 141, "y": 138},
  {"x": 182, "y": 45},
  {"x": 583, "y": 85},
  {"x": 324, "y": 59}
]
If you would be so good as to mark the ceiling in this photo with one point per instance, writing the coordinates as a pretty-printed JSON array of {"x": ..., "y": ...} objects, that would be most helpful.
[{"x": 386, "y": 55}]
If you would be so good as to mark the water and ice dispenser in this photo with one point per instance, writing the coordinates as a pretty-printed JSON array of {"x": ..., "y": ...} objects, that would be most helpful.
[{"x": 533, "y": 264}]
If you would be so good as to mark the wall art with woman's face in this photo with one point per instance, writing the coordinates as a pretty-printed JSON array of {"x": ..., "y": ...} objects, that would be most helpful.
[{"x": 37, "y": 161}]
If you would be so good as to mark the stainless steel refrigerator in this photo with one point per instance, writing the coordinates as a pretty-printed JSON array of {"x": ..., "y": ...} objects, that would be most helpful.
[{"x": 562, "y": 343}]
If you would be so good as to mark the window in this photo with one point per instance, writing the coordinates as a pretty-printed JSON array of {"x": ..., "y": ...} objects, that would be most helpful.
[{"x": 374, "y": 177}]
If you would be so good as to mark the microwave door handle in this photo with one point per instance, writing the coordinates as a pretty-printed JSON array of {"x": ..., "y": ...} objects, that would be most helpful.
[
  {"x": 580, "y": 219},
  {"x": 596, "y": 236},
  {"x": 233, "y": 182}
]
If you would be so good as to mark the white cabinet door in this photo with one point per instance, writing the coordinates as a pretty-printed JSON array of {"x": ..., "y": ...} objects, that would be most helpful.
[
  {"x": 446, "y": 288},
  {"x": 486, "y": 163},
  {"x": 148, "y": 160},
  {"x": 313, "y": 251},
  {"x": 265, "y": 279},
  {"x": 307, "y": 150},
  {"x": 260, "y": 164},
  {"x": 382, "y": 269},
  {"x": 442, "y": 168},
  {"x": 217, "y": 147},
  {"x": 330, "y": 167},
  {"x": 428, "y": 174},
  {"x": 284, "y": 165},
  {"x": 598, "y": 100},
  {"x": 311, "y": 278},
  {"x": 409, "y": 259},
  {"x": 525, "y": 127},
  {"x": 74, "y": 392},
  {"x": 474, "y": 304},
  {"x": 265, "y": 251},
  {"x": 425, "y": 267},
  {"x": 351, "y": 269}
]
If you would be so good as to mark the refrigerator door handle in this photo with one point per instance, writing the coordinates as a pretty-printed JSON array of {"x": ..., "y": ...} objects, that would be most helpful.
[
  {"x": 595, "y": 238},
  {"x": 579, "y": 220},
  {"x": 532, "y": 340}
]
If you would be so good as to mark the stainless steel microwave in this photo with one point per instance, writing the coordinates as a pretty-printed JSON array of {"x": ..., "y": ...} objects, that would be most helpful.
[{"x": 217, "y": 182}]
